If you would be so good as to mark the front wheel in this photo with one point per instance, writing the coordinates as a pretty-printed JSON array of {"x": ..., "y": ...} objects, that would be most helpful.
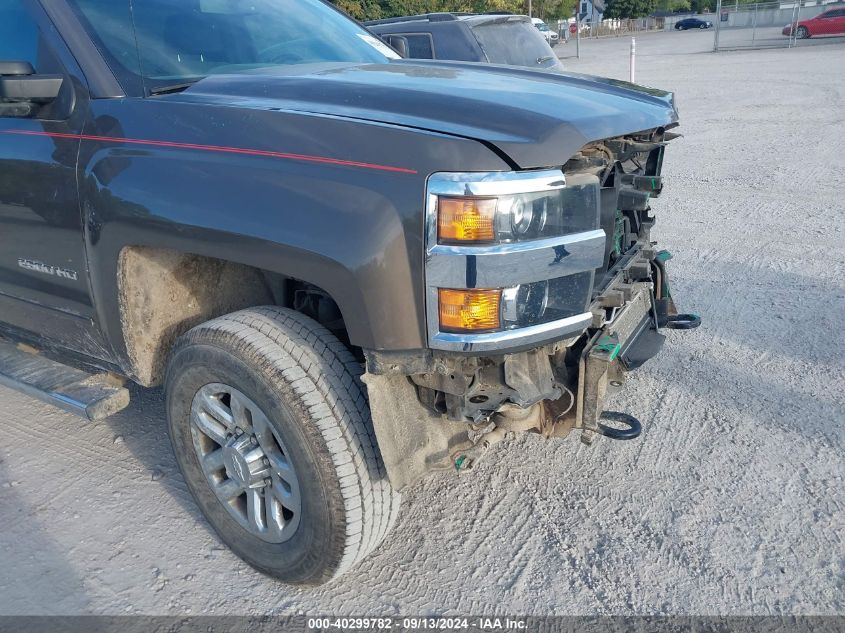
[
  {"x": 703, "y": 26},
  {"x": 272, "y": 432},
  {"x": 802, "y": 33}
]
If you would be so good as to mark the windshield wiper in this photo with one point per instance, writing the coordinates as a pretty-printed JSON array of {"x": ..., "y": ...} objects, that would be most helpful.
[
  {"x": 543, "y": 60},
  {"x": 172, "y": 88}
]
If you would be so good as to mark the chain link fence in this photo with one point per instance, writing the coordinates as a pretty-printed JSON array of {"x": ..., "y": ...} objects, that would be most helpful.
[
  {"x": 734, "y": 25},
  {"x": 609, "y": 28},
  {"x": 777, "y": 24}
]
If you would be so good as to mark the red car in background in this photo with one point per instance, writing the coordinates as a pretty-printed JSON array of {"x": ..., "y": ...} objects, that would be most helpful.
[{"x": 831, "y": 22}]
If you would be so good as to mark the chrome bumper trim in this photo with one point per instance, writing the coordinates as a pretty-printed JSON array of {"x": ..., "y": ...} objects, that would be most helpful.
[
  {"x": 508, "y": 265},
  {"x": 500, "y": 342}
]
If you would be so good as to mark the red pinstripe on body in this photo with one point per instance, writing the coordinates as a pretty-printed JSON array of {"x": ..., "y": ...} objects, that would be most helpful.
[{"x": 217, "y": 148}]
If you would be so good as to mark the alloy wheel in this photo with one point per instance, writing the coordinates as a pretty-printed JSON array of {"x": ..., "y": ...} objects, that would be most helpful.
[{"x": 245, "y": 462}]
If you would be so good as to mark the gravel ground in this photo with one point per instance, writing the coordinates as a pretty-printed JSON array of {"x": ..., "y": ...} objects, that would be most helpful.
[{"x": 732, "y": 501}]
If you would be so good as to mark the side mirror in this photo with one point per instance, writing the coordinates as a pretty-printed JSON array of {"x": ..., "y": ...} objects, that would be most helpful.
[
  {"x": 19, "y": 85},
  {"x": 398, "y": 44}
]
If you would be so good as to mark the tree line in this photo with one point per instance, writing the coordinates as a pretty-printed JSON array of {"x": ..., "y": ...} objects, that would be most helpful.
[
  {"x": 376, "y": 9},
  {"x": 546, "y": 9}
]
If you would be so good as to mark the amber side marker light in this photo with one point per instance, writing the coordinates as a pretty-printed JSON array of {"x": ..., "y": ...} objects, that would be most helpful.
[
  {"x": 466, "y": 219},
  {"x": 470, "y": 310}
]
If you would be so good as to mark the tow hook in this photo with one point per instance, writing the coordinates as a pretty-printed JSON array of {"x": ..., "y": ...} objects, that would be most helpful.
[
  {"x": 665, "y": 311},
  {"x": 681, "y": 322},
  {"x": 633, "y": 430}
]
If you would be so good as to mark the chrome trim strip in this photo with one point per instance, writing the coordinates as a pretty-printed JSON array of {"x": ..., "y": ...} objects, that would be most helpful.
[
  {"x": 507, "y": 265},
  {"x": 496, "y": 183},
  {"x": 516, "y": 248},
  {"x": 501, "y": 341}
]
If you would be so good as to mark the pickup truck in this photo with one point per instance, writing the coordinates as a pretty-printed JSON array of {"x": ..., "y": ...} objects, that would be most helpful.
[{"x": 345, "y": 269}]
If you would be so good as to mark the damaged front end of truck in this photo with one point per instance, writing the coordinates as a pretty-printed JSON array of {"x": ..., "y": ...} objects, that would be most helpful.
[{"x": 544, "y": 289}]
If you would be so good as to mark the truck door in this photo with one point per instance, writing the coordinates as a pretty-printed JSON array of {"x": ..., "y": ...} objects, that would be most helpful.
[{"x": 43, "y": 278}]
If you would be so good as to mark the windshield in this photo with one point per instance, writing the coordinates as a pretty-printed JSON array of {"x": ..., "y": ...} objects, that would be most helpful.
[
  {"x": 176, "y": 41},
  {"x": 515, "y": 43},
  {"x": 543, "y": 26}
]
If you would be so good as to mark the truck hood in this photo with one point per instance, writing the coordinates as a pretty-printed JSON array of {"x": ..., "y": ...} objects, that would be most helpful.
[{"x": 535, "y": 118}]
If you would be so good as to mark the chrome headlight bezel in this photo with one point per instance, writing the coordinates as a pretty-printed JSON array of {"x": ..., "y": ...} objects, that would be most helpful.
[
  {"x": 507, "y": 264},
  {"x": 498, "y": 185}
]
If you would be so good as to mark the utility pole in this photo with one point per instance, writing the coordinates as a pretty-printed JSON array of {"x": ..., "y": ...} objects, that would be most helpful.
[
  {"x": 718, "y": 25},
  {"x": 530, "y": 14},
  {"x": 633, "y": 75},
  {"x": 577, "y": 33}
]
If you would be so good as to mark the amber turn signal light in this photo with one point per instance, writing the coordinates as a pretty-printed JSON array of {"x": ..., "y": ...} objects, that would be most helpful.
[
  {"x": 470, "y": 310},
  {"x": 466, "y": 219}
]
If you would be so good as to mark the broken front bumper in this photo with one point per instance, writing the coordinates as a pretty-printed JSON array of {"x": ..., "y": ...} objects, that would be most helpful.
[
  {"x": 439, "y": 410},
  {"x": 582, "y": 295}
]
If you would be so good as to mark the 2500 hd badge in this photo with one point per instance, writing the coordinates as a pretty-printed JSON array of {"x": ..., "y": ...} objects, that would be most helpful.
[
  {"x": 346, "y": 270},
  {"x": 41, "y": 267}
]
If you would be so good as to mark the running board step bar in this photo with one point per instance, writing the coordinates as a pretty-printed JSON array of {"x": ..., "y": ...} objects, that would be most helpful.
[{"x": 92, "y": 396}]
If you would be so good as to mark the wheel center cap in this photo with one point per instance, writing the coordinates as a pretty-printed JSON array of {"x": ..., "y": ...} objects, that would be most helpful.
[{"x": 244, "y": 462}]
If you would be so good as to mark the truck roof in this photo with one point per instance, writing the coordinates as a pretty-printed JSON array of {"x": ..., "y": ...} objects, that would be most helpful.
[{"x": 448, "y": 17}]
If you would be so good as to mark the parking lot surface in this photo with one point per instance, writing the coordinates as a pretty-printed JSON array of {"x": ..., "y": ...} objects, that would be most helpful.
[{"x": 731, "y": 502}]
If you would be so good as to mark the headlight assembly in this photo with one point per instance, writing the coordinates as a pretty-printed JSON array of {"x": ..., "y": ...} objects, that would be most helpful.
[
  {"x": 510, "y": 256},
  {"x": 517, "y": 217}
]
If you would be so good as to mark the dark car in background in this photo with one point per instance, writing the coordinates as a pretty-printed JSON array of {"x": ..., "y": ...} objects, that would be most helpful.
[
  {"x": 693, "y": 23},
  {"x": 491, "y": 38}
]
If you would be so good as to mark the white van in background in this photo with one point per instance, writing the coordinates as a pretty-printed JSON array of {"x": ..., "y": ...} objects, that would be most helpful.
[{"x": 551, "y": 36}]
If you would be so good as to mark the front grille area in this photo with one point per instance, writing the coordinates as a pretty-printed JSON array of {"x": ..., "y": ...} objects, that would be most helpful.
[{"x": 629, "y": 172}]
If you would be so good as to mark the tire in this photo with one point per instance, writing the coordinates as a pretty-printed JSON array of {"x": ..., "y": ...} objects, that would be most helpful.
[
  {"x": 802, "y": 33},
  {"x": 303, "y": 385},
  {"x": 703, "y": 26}
]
